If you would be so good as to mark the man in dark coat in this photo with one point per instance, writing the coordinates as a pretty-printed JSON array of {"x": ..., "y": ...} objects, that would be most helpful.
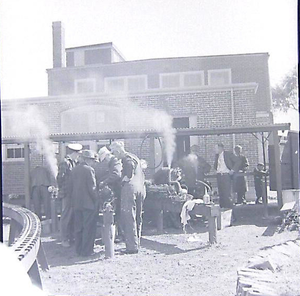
[
  {"x": 224, "y": 162},
  {"x": 64, "y": 192},
  {"x": 41, "y": 179},
  {"x": 85, "y": 203},
  {"x": 194, "y": 167},
  {"x": 239, "y": 181},
  {"x": 132, "y": 196}
]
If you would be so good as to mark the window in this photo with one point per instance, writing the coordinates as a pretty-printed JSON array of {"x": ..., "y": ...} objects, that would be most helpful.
[
  {"x": 136, "y": 83},
  {"x": 170, "y": 80},
  {"x": 114, "y": 84},
  {"x": 92, "y": 56},
  {"x": 91, "y": 118},
  {"x": 84, "y": 86},
  {"x": 70, "y": 59},
  {"x": 193, "y": 79},
  {"x": 182, "y": 79},
  {"x": 219, "y": 77},
  {"x": 126, "y": 84},
  {"x": 99, "y": 117},
  {"x": 14, "y": 152}
]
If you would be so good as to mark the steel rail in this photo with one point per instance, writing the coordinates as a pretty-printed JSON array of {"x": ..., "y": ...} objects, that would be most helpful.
[{"x": 27, "y": 244}]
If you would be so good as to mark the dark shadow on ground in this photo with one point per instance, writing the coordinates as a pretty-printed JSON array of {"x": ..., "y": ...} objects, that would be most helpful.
[
  {"x": 252, "y": 214},
  {"x": 167, "y": 249},
  {"x": 57, "y": 255}
]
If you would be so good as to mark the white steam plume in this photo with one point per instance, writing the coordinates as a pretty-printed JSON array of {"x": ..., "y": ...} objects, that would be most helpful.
[
  {"x": 137, "y": 117},
  {"x": 28, "y": 123}
]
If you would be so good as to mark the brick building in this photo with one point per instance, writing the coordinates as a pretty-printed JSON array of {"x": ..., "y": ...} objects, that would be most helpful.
[{"x": 93, "y": 89}]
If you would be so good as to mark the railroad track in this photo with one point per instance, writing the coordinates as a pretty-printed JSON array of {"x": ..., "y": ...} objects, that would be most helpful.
[{"x": 25, "y": 240}]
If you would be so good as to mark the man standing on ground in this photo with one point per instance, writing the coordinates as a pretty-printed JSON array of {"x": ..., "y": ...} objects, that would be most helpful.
[
  {"x": 41, "y": 179},
  {"x": 239, "y": 181},
  {"x": 108, "y": 172},
  {"x": 132, "y": 196},
  {"x": 63, "y": 181},
  {"x": 224, "y": 162},
  {"x": 85, "y": 203}
]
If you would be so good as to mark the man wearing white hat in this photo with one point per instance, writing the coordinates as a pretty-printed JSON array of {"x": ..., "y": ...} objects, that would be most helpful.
[{"x": 63, "y": 181}]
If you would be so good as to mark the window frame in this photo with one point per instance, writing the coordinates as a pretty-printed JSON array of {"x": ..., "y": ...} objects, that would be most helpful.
[
  {"x": 76, "y": 81},
  {"x": 5, "y": 148},
  {"x": 181, "y": 79},
  {"x": 125, "y": 80},
  {"x": 218, "y": 71},
  {"x": 193, "y": 72}
]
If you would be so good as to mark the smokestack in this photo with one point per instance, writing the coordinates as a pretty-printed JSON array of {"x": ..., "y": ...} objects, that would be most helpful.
[{"x": 59, "y": 52}]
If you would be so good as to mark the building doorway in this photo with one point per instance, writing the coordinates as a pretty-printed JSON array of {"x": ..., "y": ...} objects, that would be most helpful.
[{"x": 182, "y": 142}]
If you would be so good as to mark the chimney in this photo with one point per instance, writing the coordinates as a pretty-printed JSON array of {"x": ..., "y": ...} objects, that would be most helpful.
[{"x": 59, "y": 52}]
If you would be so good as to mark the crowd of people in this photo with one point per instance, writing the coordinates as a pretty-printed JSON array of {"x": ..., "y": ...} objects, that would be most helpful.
[
  {"x": 87, "y": 181},
  {"x": 230, "y": 168}
]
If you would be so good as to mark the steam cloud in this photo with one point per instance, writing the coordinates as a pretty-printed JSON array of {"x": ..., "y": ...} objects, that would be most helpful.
[
  {"x": 29, "y": 124},
  {"x": 137, "y": 117}
]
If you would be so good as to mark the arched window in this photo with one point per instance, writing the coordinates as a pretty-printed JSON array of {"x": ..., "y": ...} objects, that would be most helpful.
[{"x": 91, "y": 118}]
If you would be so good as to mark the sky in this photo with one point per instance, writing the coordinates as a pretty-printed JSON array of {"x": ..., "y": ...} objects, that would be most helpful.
[{"x": 142, "y": 29}]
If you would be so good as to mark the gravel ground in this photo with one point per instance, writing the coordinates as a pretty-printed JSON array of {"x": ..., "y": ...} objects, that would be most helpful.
[{"x": 173, "y": 263}]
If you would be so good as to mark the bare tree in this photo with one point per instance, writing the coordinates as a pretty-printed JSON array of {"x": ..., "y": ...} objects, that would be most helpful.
[{"x": 285, "y": 94}]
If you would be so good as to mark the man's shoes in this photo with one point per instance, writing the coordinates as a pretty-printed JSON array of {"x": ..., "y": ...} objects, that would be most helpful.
[
  {"x": 66, "y": 244},
  {"x": 128, "y": 252}
]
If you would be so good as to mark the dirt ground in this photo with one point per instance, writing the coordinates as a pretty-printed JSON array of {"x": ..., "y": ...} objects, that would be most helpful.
[{"x": 173, "y": 263}]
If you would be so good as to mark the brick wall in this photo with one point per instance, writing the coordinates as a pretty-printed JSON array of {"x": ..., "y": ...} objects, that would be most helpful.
[{"x": 212, "y": 109}]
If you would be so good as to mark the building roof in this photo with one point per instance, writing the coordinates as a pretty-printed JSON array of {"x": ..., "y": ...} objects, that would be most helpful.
[
  {"x": 157, "y": 59},
  {"x": 99, "y": 45},
  {"x": 144, "y": 133}
]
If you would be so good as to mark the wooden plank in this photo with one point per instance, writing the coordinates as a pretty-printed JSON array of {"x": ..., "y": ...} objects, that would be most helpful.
[
  {"x": 212, "y": 229},
  {"x": 224, "y": 219},
  {"x": 288, "y": 206},
  {"x": 160, "y": 221},
  {"x": 152, "y": 156},
  {"x": 277, "y": 168},
  {"x": 27, "y": 175}
]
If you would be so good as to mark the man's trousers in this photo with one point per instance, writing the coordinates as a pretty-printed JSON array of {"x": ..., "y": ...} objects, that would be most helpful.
[
  {"x": 40, "y": 194},
  {"x": 131, "y": 216},
  {"x": 85, "y": 224},
  {"x": 224, "y": 189},
  {"x": 67, "y": 220}
]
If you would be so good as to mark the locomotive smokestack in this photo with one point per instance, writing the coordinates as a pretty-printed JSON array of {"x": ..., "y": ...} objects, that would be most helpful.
[{"x": 59, "y": 52}]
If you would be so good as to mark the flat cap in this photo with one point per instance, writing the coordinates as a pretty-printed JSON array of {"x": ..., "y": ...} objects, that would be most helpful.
[
  {"x": 88, "y": 154},
  {"x": 116, "y": 145},
  {"x": 75, "y": 147},
  {"x": 103, "y": 152}
]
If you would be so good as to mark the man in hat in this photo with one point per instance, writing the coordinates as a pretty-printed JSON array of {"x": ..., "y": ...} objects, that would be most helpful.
[
  {"x": 239, "y": 180},
  {"x": 85, "y": 203},
  {"x": 132, "y": 195},
  {"x": 224, "y": 162},
  {"x": 194, "y": 167},
  {"x": 63, "y": 181}
]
